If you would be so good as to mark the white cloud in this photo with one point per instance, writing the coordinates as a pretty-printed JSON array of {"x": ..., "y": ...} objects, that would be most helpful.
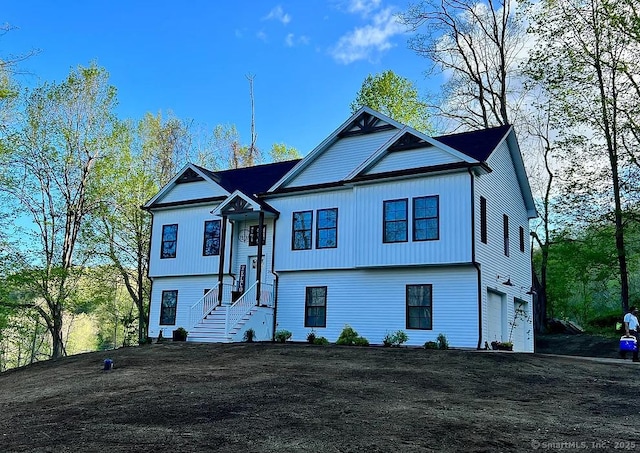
[
  {"x": 278, "y": 14},
  {"x": 364, "y": 7},
  {"x": 370, "y": 40},
  {"x": 291, "y": 40},
  {"x": 262, "y": 35}
]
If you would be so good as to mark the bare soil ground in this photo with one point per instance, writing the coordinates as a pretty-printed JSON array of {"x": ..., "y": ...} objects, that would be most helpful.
[{"x": 183, "y": 397}]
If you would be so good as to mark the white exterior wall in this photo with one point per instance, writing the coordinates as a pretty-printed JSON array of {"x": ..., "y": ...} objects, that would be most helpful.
[
  {"x": 192, "y": 191},
  {"x": 360, "y": 225},
  {"x": 341, "y": 158},
  {"x": 330, "y": 258},
  {"x": 454, "y": 243},
  {"x": 189, "y": 259},
  {"x": 190, "y": 291},
  {"x": 414, "y": 158},
  {"x": 502, "y": 191},
  {"x": 373, "y": 302}
]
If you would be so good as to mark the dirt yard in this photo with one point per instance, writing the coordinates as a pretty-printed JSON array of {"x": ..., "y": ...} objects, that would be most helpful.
[{"x": 183, "y": 397}]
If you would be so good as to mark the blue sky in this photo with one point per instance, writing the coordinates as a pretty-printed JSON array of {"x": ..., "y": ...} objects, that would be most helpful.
[{"x": 309, "y": 58}]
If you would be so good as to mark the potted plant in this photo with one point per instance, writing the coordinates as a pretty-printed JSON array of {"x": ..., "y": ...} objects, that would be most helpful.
[
  {"x": 180, "y": 334},
  {"x": 502, "y": 346}
]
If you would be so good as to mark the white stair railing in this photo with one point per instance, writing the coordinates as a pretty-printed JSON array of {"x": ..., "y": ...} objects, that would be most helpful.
[
  {"x": 204, "y": 306},
  {"x": 240, "y": 307}
]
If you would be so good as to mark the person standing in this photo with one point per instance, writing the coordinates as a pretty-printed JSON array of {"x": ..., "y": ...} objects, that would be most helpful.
[{"x": 631, "y": 329}]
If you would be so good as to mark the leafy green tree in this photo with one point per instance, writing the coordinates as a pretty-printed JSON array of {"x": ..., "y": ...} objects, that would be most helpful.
[
  {"x": 48, "y": 177},
  {"x": 394, "y": 96},
  {"x": 281, "y": 152}
]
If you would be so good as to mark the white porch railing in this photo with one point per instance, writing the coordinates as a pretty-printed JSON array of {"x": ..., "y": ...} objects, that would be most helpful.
[
  {"x": 245, "y": 303},
  {"x": 208, "y": 303}
]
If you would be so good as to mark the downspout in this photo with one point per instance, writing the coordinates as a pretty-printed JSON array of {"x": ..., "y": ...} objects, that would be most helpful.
[
  {"x": 473, "y": 255},
  {"x": 276, "y": 279}
]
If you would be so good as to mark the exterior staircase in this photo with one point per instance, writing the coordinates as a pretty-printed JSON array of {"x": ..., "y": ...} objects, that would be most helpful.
[{"x": 212, "y": 328}]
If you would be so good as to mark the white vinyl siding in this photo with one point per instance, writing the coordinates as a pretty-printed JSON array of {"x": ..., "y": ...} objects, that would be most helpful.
[
  {"x": 243, "y": 252},
  {"x": 193, "y": 191},
  {"x": 190, "y": 290},
  {"x": 503, "y": 195},
  {"x": 341, "y": 158},
  {"x": 373, "y": 302},
  {"x": 454, "y": 242},
  {"x": 189, "y": 259},
  {"x": 413, "y": 158}
]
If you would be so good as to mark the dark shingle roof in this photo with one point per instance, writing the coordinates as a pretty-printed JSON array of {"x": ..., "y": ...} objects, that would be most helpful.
[
  {"x": 251, "y": 180},
  {"x": 476, "y": 144}
]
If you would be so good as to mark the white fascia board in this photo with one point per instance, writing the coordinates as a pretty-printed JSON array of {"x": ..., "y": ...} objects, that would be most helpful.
[
  {"x": 168, "y": 186},
  {"x": 327, "y": 142},
  {"x": 521, "y": 173}
]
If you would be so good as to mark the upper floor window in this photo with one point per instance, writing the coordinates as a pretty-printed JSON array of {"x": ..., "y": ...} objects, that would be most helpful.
[
  {"x": 253, "y": 234},
  {"x": 419, "y": 307},
  {"x": 505, "y": 227},
  {"x": 425, "y": 218},
  {"x": 211, "y": 242},
  {"x": 483, "y": 220},
  {"x": 168, "y": 307},
  {"x": 395, "y": 220},
  {"x": 521, "y": 239},
  {"x": 327, "y": 228},
  {"x": 169, "y": 241},
  {"x": 315, "y": 312},
  {"x": 302, "y": 225}
]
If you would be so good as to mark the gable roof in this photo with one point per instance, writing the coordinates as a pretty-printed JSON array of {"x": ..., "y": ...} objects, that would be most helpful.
[
  {"x": 476, "y": 144},
  {"x": 250, "y": 180}
]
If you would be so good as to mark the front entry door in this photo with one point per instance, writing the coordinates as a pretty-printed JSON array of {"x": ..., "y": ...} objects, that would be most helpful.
[{"x": 252, "y": 271}]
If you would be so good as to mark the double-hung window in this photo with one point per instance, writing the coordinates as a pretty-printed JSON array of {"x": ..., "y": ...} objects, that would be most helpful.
[
  {"x": 302, "y": 227},
  {"x": 168, "y": 307},
  {"x": 315, "y": 312},
  {"x": 327, "y": 228},
  {"x": 425, "y": 218},
  {"x": 395, "y": 220},
  {"x": 169, "y": 241},
  {"x": 419, "y": 307},
  {"x": 211, "y": 242}
]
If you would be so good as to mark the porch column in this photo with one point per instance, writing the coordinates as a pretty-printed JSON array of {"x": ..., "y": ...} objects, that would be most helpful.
[
  {"x": 259, "y": 263},
  {"x": 223, "y": 241}
]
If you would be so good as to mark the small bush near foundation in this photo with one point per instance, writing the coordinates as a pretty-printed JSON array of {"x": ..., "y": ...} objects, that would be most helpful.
[
  {"x": 442, "y": 341},
  {"x": 395, "y": 339},
  {"x": 350, "y": 337},
  {"x": 282, "y": 336},
  {"x": 431, "y": 345},
  {"x": 249, "y": 334},
  {"x": 311, "y": 337},
  {"x": 320, "y": 341}
]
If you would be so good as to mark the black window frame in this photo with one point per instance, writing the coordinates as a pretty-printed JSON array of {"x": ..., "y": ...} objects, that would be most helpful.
[
  {"x": 319, "y": 310},
  {"x": 386, "y": 221},
  {"x": 522, "y": 245},
  {"x": 483, "y": 220},
  {"x": 253, "y": 235},
  {"x": 505, "y": 228},
  {"x": 164, "y": 243},
  {"x": 320, "y": 229},
  {"x": 417, "y": 219},
  {"x": 308, "y": 230},
  {"x": 163, "y": 308},
  {"x": 414, "y": 308},
  {"x": 212, "y": 238}
]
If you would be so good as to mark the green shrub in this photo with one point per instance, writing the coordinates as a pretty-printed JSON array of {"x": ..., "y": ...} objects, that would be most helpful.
[
  {"x": 320, "y": 341},
  {"x": 395, "y": 339},
  {"x": 249, "y": 334},
  {"x": 311, "y": 337},
  {"x": 350, "y": 337},
  {"x": 431, "y": 345},
  {"x": 282, "y": 336},
  {"x": 442, "y": 341},
  {"x": 360, "y": 341}
]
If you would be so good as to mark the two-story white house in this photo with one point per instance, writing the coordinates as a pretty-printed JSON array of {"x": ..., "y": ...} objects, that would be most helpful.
[{"x": 380, "y": 227}]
